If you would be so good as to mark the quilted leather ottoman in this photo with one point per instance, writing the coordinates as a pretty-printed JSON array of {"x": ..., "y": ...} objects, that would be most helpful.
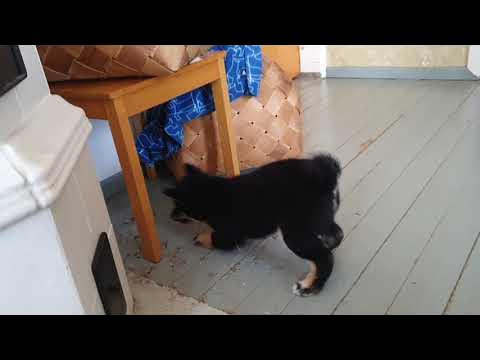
[
  {"x": 267, "y": 128},
  {"x": 80, "y": 62}
]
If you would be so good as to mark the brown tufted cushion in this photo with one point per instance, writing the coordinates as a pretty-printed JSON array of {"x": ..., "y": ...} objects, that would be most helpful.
[
  {"x": 72, "y": 62},
  {"x": 267, "y": 128}
]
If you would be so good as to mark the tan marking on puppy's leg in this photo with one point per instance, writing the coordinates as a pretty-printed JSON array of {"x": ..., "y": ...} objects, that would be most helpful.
[
  {"x": 204, "y": 239},
  {"x": 308, "y": 281}
]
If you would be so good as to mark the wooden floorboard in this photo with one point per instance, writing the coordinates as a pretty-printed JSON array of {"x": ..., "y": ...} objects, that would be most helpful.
[
  {"x": 466, "y": 297},
  {"x": 380, "y": 119},
  {"x": 429, "y": 285},
  {"x": 328, "y": 127},
  {"x": 392, "y": 263},
  {"x": 416, "y": 132}
]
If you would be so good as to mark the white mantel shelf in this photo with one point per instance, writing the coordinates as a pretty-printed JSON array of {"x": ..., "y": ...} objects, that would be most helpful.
[{"x": 36, "y": 161}]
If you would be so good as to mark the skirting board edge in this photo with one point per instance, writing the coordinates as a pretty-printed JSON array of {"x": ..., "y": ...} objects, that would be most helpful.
[{"x": 413, "y": 73}]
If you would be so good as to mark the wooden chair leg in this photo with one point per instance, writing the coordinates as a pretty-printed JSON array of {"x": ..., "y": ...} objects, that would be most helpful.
[
  {"x": 135, "y": 182},
  {"x": 224, "y": 118}
]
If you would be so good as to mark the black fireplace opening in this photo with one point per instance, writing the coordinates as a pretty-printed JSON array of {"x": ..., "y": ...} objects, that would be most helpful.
[
  {"x": 12, "y": 67},
  {"x": 107, "y": 279}
]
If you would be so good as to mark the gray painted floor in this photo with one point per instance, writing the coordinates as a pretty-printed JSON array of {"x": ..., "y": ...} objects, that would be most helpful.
[{"x": 410, "y": 189}]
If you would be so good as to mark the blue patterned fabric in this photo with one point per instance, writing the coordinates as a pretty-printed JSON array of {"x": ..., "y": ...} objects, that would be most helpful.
[{"x": 162, "y": 137}]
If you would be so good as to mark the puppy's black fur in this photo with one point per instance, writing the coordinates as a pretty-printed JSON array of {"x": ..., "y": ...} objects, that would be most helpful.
[{"x": 299, "y": 196}]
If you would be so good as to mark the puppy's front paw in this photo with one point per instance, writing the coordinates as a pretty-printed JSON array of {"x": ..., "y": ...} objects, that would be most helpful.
[
  {"x": 307, "y": 286},
  {"x": 299, "y": 290},
  {"x": 204, "y": 239}
]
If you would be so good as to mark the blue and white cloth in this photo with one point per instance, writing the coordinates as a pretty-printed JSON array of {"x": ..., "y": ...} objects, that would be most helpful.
[{"x": 162, "y": 137}]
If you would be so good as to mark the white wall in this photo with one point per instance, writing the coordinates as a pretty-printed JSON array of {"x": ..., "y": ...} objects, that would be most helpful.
[
  {"x": 103, "y": 150},
  {"x": 418, "y": 56}
]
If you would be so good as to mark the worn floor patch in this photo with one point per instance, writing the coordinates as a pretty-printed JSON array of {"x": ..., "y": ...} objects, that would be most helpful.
[{"x": 153, "y": 299}]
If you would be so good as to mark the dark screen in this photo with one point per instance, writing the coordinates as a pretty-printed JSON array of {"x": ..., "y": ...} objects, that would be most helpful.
[{"x": 12, "y": 69}]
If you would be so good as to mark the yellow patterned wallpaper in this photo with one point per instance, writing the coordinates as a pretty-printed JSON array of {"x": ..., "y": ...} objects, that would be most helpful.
[{"x": 397, "y": 55}]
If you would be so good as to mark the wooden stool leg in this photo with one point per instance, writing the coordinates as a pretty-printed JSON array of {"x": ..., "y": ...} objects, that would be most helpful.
[
  {"x": 224, "y": 118},
  {"x": 135, "y": 182}
]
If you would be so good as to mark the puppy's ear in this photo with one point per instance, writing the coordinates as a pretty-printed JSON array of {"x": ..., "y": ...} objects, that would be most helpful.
[
  {"x": 171, "y": 193},
  {"x": 192, "y": 170}
]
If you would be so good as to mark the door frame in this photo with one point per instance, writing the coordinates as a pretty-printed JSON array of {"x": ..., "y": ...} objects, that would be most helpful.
[
  {"x": 313, "y": 59},
  {"x": 473, "y": 59}
]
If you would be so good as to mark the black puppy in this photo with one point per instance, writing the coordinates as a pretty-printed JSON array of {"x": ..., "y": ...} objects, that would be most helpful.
[{"x": 299, "y": 196}]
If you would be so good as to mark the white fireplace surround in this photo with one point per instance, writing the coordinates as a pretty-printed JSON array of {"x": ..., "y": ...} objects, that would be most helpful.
[
  {"x": 40, "y": 157},
  {"x": 51, "y": 207}
]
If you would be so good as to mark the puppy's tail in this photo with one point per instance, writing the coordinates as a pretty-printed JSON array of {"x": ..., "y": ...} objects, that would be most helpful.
[{"x": 325, "y": 171}]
